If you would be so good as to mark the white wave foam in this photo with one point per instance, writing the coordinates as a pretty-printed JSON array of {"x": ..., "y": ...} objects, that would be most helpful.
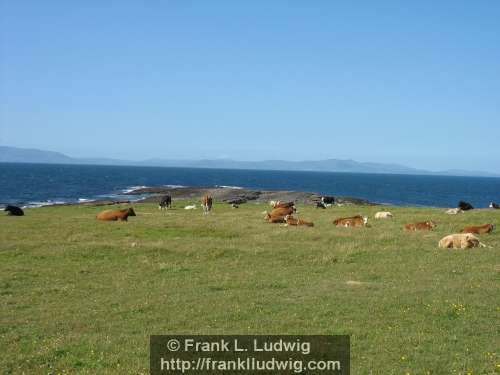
[
  {"x": 37, "y": 204},
  {"x": 132, "y": 188},
  {"x": 230, "y": 187},
  {"x": 82, "y": 200},
  {"x": 174, "y": 186}
]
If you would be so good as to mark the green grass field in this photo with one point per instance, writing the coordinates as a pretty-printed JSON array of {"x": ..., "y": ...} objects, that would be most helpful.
[{"x": 80, "y": 296}]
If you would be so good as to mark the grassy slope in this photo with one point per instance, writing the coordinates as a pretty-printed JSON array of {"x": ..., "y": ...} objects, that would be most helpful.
[{"x": 84, "y": 296}]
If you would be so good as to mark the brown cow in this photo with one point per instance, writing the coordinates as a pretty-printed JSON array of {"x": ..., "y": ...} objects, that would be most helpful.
[
  {"x": 421, "y": 225},
  {"x": 290, "y": 220},
  {"x": 478, "y": 229},
  {"x": 280, "y": 204},
  {"x": 206, "y": 203},
  {"x": 354, "y": 221},
  {"x": 460, "y": 241},
  {"x": 113, "y": 215},
  {"x": 277, "y": 215}
]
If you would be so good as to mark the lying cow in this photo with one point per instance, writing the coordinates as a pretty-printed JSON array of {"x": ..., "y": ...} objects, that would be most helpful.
[
  {"x": 206, "y": 203},
  {"x": 354, "y": 221},
  {"x": 14, "y": 211},
  {"x": 190, "y": 207},
  {"x": 460, "y": 241},
  {"x": 421, "y": 225},
  {"x": 290, "y": 220},
  {"x": 494, "y": 205},
  {"x": 454, "y": 211},
  {"x": 478, "y": 229},
  {"x": 113, "y": 215},
  {"x": 465, "y": 206},
  {"x": 383, "y": 215},
  {"x": 165, "y": 202},
  {"x": 280, "y": 204},
  {"x": 277, "y": 215}
]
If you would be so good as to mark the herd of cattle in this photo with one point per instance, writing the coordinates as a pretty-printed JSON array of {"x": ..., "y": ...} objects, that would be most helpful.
[{"x": 283, "y": 212}]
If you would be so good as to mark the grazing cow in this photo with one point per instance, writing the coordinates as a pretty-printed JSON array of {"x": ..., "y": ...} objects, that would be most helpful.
[
  {"x": 320, "y": 205},
  {"x": 190, "y": 207},
  {"x": 454, "y": 211},
  {"x": 421, "y": 225},
  {"x": 165, "y": 202},
  {"x": 328, "y": 200},
  {"x": 354, "y": 221},
  {"x": 465, "y": 206},
  {"x": 290, "y": 220},
  {"x": 494, "y": 205},
  {"x": 277, "y": 215},
  {"x": 460, "y": 241},
  {"x": 478, "y": 229},
  {"x": 206, "y": 203},
  {"x": 383, "y": 215},
  {"x": 113, "y": 215},
  {"x": 14, "y": 211}
]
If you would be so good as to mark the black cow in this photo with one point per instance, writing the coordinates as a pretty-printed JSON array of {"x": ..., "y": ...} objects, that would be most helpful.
[
  {"x": 14, "y": 211},
  {"x": 165, "y": 202},
  {"x": 320, "y": 205},
  {"x": 465, "y": 206},
  {"x": 328, "y": 200},
  {"x": 494, "y": 205}
]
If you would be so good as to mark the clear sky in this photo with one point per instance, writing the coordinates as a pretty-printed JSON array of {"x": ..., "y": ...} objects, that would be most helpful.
[{"x": 410, "y": 82}]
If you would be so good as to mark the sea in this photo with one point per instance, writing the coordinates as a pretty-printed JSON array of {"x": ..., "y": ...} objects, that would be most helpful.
[{"x": 35, "y": 185}]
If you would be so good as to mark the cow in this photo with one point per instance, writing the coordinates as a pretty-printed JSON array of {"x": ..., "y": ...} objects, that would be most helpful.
[
  {"x": 478, "y": 229},
  {"x": 465, "y": 206},
  {"x": 206, "y": 203},
  {"x": 454, "y": 211},
  {"x": 460, "y": 241},
  {"x": 290, "y": 220},
  {"x": 327, "y": 200},
  {"x": 320, "y": 205},
  {"x": 383, "y": 215},
  {"x": 494, "y": 205},
  {"x": 165, "y": 202},
  {"x": 190, "y": 207},
  {"x": 234, "y": 205},
  {"x": 113, "y": 215},
  {"x": 277, "y": 215},
  {"x": 354, "y": 221},
  {"x": 280, "y": 204},
  {"x": 14, "y": 210},
  {"x": 421, "y": 225}
]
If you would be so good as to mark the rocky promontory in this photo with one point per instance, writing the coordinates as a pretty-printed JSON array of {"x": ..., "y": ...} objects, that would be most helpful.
[{"x": 238, "y": 195}]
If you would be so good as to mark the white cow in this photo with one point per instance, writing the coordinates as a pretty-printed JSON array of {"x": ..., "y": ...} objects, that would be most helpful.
[
  {"x": 191, "y": 207},
  {"x": 453, "y": 211},
  {"x": 383, "y": 215}
]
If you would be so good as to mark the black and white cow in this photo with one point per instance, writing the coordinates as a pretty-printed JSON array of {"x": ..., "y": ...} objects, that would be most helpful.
[
  {"x": 165, "y": 202},
  {"x": 494, "y": 205},
  {"x": 328, "y": 200}
]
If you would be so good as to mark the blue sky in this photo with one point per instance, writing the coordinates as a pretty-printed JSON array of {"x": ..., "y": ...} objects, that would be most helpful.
[{"x": 416, "y": 83}]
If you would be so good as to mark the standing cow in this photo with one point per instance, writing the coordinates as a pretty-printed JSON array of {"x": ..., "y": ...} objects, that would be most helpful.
[
  {"x": 206, "y": 203},
  {"x": 165, "y": 202}
]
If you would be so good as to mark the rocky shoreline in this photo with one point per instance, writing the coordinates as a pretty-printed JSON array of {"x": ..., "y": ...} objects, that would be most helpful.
[{"x": 236, "y": 195}]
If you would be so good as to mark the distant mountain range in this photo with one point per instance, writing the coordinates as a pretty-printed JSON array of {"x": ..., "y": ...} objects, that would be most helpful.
[{"x": 22, "y": 155}]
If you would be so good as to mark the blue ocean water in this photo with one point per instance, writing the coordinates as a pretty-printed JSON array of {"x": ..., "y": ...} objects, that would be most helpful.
[{"x": 38, "y": 184}]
